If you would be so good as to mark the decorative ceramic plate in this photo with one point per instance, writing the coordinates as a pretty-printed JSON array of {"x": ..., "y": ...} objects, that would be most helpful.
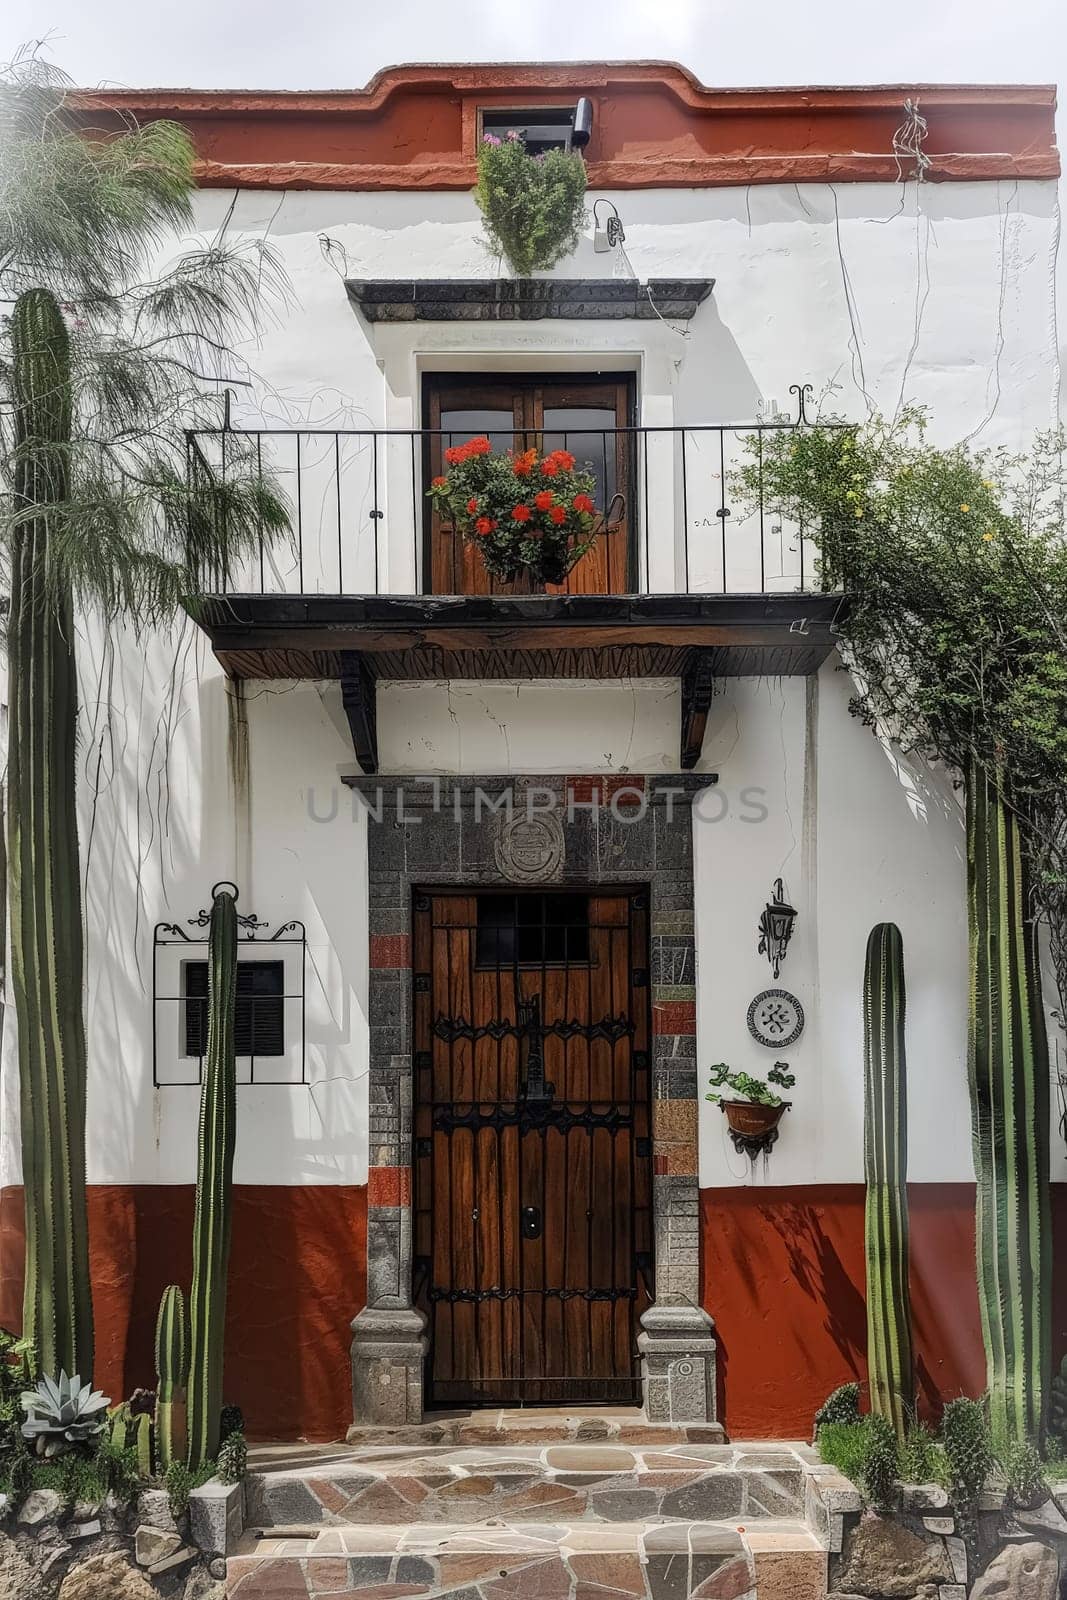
[{"x": 776, "y": 1018}]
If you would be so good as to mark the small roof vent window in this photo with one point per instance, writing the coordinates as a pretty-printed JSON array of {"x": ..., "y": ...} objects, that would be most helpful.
[{"x": 543, "y": 127}]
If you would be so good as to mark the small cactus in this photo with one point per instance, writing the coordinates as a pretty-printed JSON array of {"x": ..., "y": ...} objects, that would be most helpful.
[
  {"x": 881, "y": 1466},
  {"x": 965, "y": 1436},
  {"x": 172, "y": 1373},
  {"x": 233, "y": 1459}
]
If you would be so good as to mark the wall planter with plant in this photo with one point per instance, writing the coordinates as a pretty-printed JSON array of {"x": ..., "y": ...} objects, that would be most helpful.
[
  {"x": 753, "y": 1110},
  {"x": 533, "y": 206},
  {"x": 526, "y": 513}
]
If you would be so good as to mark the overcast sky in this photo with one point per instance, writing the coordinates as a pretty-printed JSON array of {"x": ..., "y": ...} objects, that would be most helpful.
[{"x": 304, "y": 44}]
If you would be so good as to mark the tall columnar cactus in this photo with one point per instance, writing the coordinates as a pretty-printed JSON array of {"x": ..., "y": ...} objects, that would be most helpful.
[
  {"x": 885, "y": 1164},
  {"x": 172, "y": 1375},
  {"x": 45, "y": 885},
  {"x": 214, "y": 1179},
  {"x": 1009, "y": 1080}
]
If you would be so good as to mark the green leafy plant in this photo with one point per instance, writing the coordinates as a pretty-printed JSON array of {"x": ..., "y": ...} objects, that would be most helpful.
[
  {"x": 119, "y": 1468},
  {"x": 745, "y": 1087},
  {"x": 20, "y": 1476},
  {"x": 842, "y": 1405},
  {"x": 1028, "y": 1485},
  {"x": 843, "y": 1444},
  {"x": 523, "y": 512},
  {"x": 533, "y": 206},
  {"x": 63, "y": 1414},
  {"x": 885, "y": 1169},
  {"x": 922, "y": 1457},
  {"x": 180, "y": 1480},
  {"x": 233, "y": 1459},
  {"x": 866, "y": 1452}
]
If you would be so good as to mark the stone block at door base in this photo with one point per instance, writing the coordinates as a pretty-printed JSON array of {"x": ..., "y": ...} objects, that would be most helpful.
[
  {"x": 388, "y": 1350},
  {"x": 677, "y": 1348}
]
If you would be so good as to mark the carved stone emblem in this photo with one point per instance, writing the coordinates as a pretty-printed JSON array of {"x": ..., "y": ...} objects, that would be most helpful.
[{"x": 529, "y": 849}]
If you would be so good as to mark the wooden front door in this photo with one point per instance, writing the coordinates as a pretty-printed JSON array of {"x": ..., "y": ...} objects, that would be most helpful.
[
  {"x": 517, "y": 413},
  {"x": 532, "y": 1144}
]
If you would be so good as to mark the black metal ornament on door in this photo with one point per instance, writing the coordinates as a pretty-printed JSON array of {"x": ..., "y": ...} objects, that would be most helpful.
[{"x": 532, "y": 1144}]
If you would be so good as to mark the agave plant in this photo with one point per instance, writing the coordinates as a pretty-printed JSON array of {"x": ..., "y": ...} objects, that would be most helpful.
[{"x": 63, "y": 1413}]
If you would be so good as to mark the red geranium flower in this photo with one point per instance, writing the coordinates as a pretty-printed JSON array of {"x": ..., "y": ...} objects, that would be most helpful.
[
  {"x": 563, "y": 459},
  {"x": 582, "y": 502},
  {"x": 543, "y": 499},
  {"x": 484, "y": 525},
  {"x": 549, "y": 467},
  {"x": 557, "y": 515},
  {"x": 472, "y": 505},
  {"x": 454, "y": 455},
  {"x": 520, "y": 513},
  {"x": 523, "y": 465},
  {"x": 439, "y": 483},
  {"x": 479, "y": 446}
]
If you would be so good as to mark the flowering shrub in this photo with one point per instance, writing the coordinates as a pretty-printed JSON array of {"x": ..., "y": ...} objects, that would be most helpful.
[
  {"x": 533, "y": 206},
  {"x": 525, "y": 512}
]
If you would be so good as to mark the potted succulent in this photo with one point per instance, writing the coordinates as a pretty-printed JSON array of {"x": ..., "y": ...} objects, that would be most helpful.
[
  {"x": 753, "y": 1109},
  {"x": 533, "y": 206},
  {"x": 525, "y": 512}
]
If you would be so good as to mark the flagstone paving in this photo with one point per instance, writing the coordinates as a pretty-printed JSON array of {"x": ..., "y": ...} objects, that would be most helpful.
[
  {"x": 470, "y": 1483},
  {"x": 537, "y": 1512}
]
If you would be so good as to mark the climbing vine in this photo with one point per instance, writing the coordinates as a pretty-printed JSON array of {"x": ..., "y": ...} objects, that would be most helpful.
[{"x": 953, "y": 567}]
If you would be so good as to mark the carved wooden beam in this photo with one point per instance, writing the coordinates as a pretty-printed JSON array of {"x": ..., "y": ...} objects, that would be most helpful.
[
  {"x": 698, "y": 686},
  {"x": 358, "y": 699}
]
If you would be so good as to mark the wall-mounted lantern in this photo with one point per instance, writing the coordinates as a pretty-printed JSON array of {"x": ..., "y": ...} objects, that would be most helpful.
[{"x": 776, "y": 927}]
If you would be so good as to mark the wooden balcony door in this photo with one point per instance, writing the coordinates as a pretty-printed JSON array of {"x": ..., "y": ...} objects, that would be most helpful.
[
  {"x": 576, "y": 414},
  {"x": 533, "y": 1184}
]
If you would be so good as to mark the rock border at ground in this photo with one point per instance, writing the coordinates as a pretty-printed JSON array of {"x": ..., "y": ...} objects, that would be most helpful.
[
  {"x": 109, "y": 1550},
  {"x": 920, "y": 1551}
]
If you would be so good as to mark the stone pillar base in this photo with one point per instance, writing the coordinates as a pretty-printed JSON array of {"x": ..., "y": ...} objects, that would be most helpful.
[
  {"x": 677, "y": 1348},
  {"x": 388, "y": 1350}
]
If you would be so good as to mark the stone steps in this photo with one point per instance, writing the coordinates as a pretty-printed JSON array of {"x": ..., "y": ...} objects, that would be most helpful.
[
  {"x": 577, "y": 1482},
  {"x": 776, "y": 1559},
  {"x": 540, "y": 1426}
]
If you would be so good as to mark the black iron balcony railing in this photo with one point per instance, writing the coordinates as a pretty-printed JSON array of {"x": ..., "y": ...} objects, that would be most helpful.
[{"x": 361, "y": 523}]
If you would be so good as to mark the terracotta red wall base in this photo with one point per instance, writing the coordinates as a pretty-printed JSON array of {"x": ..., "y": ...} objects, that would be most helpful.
[
  {"x": 298, "y": 1277},
  {"x": 783, "y": 1276}
]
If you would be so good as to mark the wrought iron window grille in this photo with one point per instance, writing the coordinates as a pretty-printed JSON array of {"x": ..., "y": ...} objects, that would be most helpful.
[{"x": 274, "y": 1020}]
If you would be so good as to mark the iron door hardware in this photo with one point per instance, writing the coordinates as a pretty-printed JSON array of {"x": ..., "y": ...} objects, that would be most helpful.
[
  {"x": 535, "y": 1087},
  {"x": 531, "y": 1222}
]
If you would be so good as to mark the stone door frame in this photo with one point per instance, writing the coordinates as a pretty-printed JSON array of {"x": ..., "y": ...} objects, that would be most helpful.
[{"x": 490, "y": 832}]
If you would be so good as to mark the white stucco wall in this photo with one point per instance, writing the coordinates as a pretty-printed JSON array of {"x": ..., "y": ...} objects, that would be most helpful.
[{"x": 941, "y": 295}]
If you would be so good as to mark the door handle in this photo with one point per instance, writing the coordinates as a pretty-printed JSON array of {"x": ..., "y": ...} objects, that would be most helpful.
[{"x": 531, "y": 1222}]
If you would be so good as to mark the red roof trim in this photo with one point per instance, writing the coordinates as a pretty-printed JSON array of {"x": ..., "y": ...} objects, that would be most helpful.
[{"x": 654, "y": 125}]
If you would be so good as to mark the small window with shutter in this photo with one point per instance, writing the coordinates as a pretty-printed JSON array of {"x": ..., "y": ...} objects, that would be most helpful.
[{"x": 260, "y": 1010}]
